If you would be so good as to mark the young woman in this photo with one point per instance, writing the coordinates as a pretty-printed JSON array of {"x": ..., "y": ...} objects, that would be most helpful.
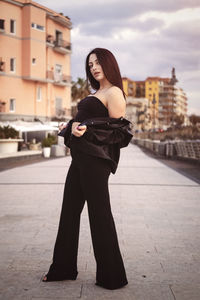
[{"x": 87, "y": 179}]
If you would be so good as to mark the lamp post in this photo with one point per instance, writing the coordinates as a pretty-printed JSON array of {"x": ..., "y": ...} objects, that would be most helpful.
[{"x": 154, "y": 113}]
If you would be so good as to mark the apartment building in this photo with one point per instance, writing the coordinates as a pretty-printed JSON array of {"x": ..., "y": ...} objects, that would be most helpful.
[
  {"x": 181, "y": 101},
  {"x": 172, "y": 102},
  {"x": 137, "y": 108},
  {"x": 166, "y": 100},
  {"x": 140, "y": 89},
  {"x": 35, "y": 49},
  {"x": 129, "y": 86}
]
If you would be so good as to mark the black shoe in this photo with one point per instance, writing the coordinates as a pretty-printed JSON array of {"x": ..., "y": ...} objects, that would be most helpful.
[
  {"x": 111, "y": 287},
  {"x": 51, "y": 277}
]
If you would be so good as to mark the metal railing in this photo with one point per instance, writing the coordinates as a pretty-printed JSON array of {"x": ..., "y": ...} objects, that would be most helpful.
[
  {"x": 58, "y": 77},
  {"x": 62, "y": 43},
  {"x": 58, "y": 42}
]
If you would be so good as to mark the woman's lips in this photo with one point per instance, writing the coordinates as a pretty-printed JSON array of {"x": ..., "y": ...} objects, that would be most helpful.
[{"x": 95, "y": 74}]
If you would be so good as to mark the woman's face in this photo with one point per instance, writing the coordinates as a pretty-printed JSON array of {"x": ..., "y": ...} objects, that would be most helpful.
[{"x": 95, "y": 67}]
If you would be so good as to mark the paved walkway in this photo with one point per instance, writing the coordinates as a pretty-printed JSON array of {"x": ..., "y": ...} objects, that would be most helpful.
[{"x": 157, "y": 216}]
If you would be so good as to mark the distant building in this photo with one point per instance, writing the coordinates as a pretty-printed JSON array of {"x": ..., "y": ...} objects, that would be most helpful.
[
  {"x": 172, "y": 103},
  {"x": 137, "y": 111},
  {"x": 140, "y": 89},
  {"x": 35, "y": 81},
  {"x": 129, "y": 87},
  {"x": 166, "y": 100},
  {"x": 181, "y": 102}
]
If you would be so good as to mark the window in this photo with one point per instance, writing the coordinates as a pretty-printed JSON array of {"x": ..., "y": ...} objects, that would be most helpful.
[
  {"x": 58, "y": 72},
  {"x": 12, "y": 105},
  {"x": 59, "y": 38},
  {"x": 37, "y": 26},
  {"x": 2, "y": 65},
  {"x": 12, "y": 64},
  {"x": 39, "y": 93},
  {"x": 12, "y": 26},
  {"x": 2, "y": 24},
  {"x": 33, "y": 61},
  {"x": 58, "y": 68}
]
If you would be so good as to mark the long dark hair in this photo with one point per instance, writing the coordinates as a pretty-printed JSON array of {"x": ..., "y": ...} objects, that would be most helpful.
[{"x": 110, "y": 68}]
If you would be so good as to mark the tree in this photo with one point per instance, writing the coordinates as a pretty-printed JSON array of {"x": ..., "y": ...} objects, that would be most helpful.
[
  {"x": 79, "y": 89},
  {"x": 194, "y": 119},
  {"x": 179, "y": 119}
]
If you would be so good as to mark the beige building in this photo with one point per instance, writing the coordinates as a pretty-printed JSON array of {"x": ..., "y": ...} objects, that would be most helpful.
[
  {"x": 181, "y": 101},
  {"x": 172, "y": 102},
  {"x": 35, "y": 81},
  {"x": 138, "y": 112}
]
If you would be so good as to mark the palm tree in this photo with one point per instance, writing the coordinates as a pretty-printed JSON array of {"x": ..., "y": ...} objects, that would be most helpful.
[{"x": 79, "y": 91}]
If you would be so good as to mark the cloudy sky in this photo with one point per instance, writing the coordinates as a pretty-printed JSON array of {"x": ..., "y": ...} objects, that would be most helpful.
[{"x": 147, "y": 37}]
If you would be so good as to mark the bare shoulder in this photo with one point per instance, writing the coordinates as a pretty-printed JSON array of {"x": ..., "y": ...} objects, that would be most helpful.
[
  {"x": 114, "y": 92},
  {"x": 115, "y": 102}
]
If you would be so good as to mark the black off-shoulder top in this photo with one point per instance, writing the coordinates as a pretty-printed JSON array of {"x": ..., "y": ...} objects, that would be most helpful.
[{"x": 90, "y": 107}]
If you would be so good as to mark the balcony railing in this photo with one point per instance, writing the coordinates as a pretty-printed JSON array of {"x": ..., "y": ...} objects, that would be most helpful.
[
  {"x": 63, "y": 44},
  {"x": 59, "y": 45},
  {"x": 58, "y": 78}
]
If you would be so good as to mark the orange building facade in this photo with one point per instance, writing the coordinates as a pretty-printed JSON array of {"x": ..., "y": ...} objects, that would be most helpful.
[{"x": 35, "y": 49}]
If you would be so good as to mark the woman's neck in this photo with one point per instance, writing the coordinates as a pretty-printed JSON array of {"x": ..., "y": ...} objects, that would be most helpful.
[{"x": 105, "y": 86}]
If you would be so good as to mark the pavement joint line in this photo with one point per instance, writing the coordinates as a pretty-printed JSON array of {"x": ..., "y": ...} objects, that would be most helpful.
[
  {"x": 114, "y": 183},
  {"x": 162, "y": 267},
  {"x": 81, "y": 291},
  {"x": 170, "y": 286}
]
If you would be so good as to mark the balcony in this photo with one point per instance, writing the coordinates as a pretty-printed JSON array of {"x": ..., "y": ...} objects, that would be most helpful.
[
  {"x": 62, "y": 46},
  {"x": 58, "y": 79},
  {"x": 58, "y": 45},
  {"x": 50, "y": 40}
]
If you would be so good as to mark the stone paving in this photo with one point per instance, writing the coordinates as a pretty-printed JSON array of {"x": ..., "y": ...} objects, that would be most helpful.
[{"x": 157, "y": 217}]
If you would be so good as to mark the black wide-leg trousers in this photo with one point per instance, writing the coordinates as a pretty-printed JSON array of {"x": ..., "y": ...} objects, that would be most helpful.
[{"x": 87, "y": 179}]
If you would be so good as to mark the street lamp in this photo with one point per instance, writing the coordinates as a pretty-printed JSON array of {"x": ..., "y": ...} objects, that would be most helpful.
[{"x": 154, "y": 113}]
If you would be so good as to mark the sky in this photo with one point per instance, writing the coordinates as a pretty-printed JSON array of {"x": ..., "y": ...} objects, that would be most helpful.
[{"x": 147, "y": 37}]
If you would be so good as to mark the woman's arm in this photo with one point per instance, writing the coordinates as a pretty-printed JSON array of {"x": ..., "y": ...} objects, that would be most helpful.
[{"x": 115, "y": 102}]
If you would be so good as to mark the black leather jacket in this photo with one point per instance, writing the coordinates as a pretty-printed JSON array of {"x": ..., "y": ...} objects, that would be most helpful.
[{"x": 103, "y": 138}]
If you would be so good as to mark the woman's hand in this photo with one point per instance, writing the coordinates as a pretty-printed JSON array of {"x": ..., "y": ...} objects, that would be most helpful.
[
  {"x": 78, "y": 130},
  {"x": 62, "y": 125}
]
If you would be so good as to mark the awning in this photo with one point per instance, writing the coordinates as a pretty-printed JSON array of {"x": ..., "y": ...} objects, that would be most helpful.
[{"x": 23, "y": 126}]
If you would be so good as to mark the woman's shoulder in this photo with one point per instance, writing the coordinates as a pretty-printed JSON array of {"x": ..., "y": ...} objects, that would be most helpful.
[
  {"x": 116, "y": 102},
  {"x": 115, "y": 94},
  {"x": 114, "y": 91}
]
